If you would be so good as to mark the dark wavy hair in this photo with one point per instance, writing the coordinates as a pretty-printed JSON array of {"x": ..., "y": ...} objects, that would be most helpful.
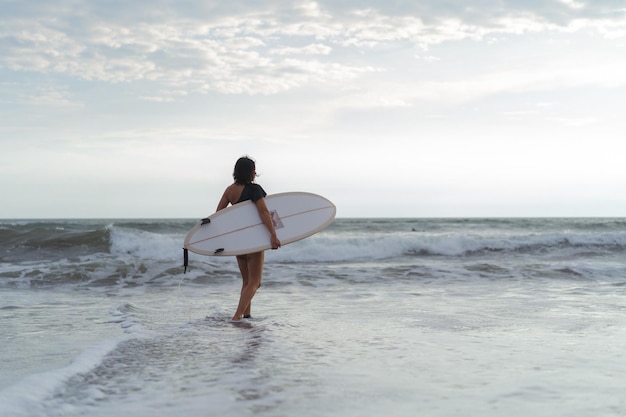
[{"x": 244, "y": 170}]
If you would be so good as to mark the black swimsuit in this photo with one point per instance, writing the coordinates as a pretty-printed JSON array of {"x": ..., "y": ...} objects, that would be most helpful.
[{"x": 252, "y": 192}]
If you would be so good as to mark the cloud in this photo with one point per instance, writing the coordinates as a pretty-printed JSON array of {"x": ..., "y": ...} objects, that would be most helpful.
[
  {"x": 262, "y": 48},
  {"x": 226, "y": 56},
  {"x": 572, "y": 4},
  {"x": 313, "y": 49}
]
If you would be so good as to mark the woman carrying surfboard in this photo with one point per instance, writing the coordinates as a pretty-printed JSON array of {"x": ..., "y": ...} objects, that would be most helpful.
[{"x": 250, "y": 265}]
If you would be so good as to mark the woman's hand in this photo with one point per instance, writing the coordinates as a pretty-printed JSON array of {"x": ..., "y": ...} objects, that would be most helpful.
[{"x": 275, "y": 242}]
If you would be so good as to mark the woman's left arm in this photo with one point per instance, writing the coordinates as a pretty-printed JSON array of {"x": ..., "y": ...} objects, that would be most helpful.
[{"x": 223, "y": 202}]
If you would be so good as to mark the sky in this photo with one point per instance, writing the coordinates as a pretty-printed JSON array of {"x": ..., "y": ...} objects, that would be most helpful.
[{"x": 389, "y": 108}]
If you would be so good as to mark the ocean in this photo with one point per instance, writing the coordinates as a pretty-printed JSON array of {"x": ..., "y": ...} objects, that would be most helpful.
[{"x": 370, "y": 317}]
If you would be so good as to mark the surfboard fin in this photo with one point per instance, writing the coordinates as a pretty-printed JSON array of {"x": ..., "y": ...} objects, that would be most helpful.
[
  {"x": 185, "y": 259},
  {"x": 205, "y": 221},
  {"x": 218, "y": 250}
]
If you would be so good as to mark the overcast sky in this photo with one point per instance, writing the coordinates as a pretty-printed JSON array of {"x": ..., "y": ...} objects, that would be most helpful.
[{"x": 389, "y": 108}]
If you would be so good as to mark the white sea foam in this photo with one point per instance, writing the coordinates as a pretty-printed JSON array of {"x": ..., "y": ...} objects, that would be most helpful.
[
  {"x": 330, "y": 248},
  {"x": 144, "y": 244},
  {"x": 333, "y": 247},
  {"x": 490, "y": 317},
  {"x": 26, "y": 397}
]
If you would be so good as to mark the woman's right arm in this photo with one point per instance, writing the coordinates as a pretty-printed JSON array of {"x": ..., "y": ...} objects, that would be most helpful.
[{"x": 264, "y": 213}]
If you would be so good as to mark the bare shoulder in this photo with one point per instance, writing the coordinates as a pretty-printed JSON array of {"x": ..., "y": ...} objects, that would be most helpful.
[{"x": 233, "y": 193}]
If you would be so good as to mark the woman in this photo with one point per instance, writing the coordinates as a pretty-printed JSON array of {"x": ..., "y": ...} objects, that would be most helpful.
[{"x": 250, "y": 265}]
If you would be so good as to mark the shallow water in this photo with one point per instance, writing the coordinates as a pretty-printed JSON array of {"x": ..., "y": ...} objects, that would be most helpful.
[{"x": 527, "y": 325}]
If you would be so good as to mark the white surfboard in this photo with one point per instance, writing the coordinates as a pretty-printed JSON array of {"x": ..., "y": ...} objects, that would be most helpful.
[{"x": 238, "y": 229}]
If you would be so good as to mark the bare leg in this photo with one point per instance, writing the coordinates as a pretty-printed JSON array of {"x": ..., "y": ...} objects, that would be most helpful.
[
  {"x": 242, "y": 261},
  {"x": 251, "y": 267}
]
